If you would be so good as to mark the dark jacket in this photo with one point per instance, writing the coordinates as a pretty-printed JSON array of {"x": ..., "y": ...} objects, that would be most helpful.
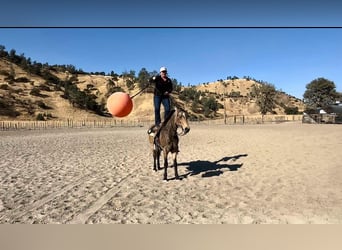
[{"x": 161, "y": 86}]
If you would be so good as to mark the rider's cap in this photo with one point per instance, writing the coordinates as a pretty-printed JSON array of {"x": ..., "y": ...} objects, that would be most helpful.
[{"x": 162, "y": 69}]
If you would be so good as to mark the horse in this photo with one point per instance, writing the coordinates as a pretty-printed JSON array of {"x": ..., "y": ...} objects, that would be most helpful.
[{"x": 164, "y": 138}]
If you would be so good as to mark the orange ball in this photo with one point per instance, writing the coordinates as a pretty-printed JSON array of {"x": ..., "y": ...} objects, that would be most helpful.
[{"x": 119, "y": 104}]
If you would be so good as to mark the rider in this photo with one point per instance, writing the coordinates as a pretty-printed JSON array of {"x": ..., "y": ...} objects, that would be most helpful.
[{"x": 162, "y": 89}]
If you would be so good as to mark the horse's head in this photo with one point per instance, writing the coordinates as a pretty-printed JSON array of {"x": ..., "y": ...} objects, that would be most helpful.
[{"x": 181, "y": 120}]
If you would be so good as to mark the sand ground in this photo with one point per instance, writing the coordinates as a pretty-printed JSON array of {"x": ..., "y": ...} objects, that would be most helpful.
[{"x": 268, "y": 174}]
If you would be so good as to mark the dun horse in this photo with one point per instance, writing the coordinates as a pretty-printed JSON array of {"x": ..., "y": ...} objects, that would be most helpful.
[{"x": 165, "y": 139}]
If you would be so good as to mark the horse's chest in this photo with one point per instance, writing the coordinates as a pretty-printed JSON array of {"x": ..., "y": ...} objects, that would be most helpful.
[
  {"x": 171, "y": 144},
  {"x": 174, "y": 147}
]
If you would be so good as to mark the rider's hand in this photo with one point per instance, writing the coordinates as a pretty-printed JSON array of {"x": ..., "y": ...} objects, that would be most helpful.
[{"x": 152, "y": 79}]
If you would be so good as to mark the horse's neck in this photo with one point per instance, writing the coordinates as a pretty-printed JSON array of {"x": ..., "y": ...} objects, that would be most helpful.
[{"x": 171, "y": 125}]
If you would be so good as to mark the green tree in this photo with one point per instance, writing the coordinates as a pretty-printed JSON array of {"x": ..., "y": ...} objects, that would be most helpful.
[
  {"x": 3, "y": 52},
  {"x": 143, "y": 77},
  {"x": 130, "y": 84},
  {"x": 210, "y": 105},
  {"x": 291, "y": 110},
  {"x": 319, "y": 93},
  {"x": 177, "y": 87},
  {"x": 195, "y": 106},
  {"x": 265, "y": 97}
]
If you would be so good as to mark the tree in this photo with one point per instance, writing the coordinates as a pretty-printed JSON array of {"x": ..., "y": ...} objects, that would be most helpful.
[
  {"x": 143, "y": 77},
  {"x": 291, "y": 110},
  {"x": 265, "y": 97},
  {"x": 210, "y": 105},
  {"x": 177, "y": 87},
  {"x": 3, "y": 52},
  {"x": 319, "y": 93},
  {"x": 130, "y": 84}
]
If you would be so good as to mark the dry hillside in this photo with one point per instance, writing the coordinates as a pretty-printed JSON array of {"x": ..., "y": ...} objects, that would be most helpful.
[
  {"x": 18, "y": 101},
  {"x": 244, "y": 105}
]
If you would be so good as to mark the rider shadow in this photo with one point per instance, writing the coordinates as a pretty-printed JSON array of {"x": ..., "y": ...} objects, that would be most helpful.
[{"x": 209, "y": 169}]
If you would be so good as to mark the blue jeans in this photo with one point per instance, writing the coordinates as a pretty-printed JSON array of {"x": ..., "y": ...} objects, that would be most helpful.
[{"x": 157, "y": 101}]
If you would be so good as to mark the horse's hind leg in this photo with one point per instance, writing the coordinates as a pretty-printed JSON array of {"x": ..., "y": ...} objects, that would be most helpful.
[
  {"x": 174, "y": 155},
  {"x": 156, "y": 159},
  {"x": 165, "y": 165}
]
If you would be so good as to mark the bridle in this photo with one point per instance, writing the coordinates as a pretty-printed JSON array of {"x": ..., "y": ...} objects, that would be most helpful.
[{"x": 183, "y": 131}]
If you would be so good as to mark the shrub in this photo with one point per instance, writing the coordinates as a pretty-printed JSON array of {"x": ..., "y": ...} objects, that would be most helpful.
[
  {"x": 4, "y": 72},
  {"x": 42, "y": 105},
  {"x": 35, "y": 91},
  {"x": 17, "y": 91},
  {"x": 130, "y": 84},
  {"x": 40, "y": 117},
  {"x": 7, "y": 109},
  {"x": 44, "y": 87},
  {"x": 22, "y": 79},
  {"x": 4, "y": 86},
  {"x": 291, "y": 110}
]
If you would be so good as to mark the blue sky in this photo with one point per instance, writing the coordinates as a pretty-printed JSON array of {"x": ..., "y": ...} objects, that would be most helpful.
[
  {"x": 171, "y": 13},
  {"x": 289, "y": 58}
]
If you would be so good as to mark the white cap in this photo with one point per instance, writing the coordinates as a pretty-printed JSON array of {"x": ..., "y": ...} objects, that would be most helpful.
[{"x": 162, "y": 69}]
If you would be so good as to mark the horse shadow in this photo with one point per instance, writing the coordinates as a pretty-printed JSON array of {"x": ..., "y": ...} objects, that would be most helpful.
[{"x": 209, "y": 168}]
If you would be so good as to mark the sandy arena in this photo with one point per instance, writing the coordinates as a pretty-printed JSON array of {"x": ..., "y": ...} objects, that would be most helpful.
[{"x": 234, "y": 174}]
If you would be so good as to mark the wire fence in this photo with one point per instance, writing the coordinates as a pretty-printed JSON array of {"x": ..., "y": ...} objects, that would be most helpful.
[{"x": 109, "y": 123}]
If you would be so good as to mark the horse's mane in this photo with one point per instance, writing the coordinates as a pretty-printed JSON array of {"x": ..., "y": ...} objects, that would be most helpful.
[{"x": 167, "y": 119}]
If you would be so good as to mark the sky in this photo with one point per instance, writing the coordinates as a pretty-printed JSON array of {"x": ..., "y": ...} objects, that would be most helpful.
[{"x": 288, "y": 45}]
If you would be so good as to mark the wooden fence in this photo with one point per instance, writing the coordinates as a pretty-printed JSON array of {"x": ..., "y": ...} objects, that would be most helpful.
[
  {"x": 253, "y": 119},
  {"x": 108, "y": 123},
  {"x": 322, "y": 118},
  {"x": 52, "y": 124}
]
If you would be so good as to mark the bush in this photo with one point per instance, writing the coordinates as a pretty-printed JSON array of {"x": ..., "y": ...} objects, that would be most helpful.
[
  {"x": 35, "y": 91},
  {"x": 22, "y": 79},
  {"x": 7, "y": 109},
  {"x": 4, "y": 72},
  {"x": 235, "y": 94},
  {"x": 42, "y": 105},
  {"x": 45, "y": 87},
  {"x": 40, "y": 117},
  {"x": 130, "y": 84},
  {"x": 4, "y": 86},
  {"x": 17, "y": 91},
  {"x": 291, "y": 110}
]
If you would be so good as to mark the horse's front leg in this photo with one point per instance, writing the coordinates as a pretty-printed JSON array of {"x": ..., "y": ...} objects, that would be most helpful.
[
  {"x": 165, "y": 165},
  {"x": 155, "y": 159},
  {"x": 174, "y": 156}
]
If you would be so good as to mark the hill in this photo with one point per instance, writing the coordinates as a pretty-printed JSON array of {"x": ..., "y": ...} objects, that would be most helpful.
[{"x": 55, "y": 93}]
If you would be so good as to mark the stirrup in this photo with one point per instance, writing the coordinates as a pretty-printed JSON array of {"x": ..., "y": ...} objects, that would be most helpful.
[{"x": 151, "y": 130}]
